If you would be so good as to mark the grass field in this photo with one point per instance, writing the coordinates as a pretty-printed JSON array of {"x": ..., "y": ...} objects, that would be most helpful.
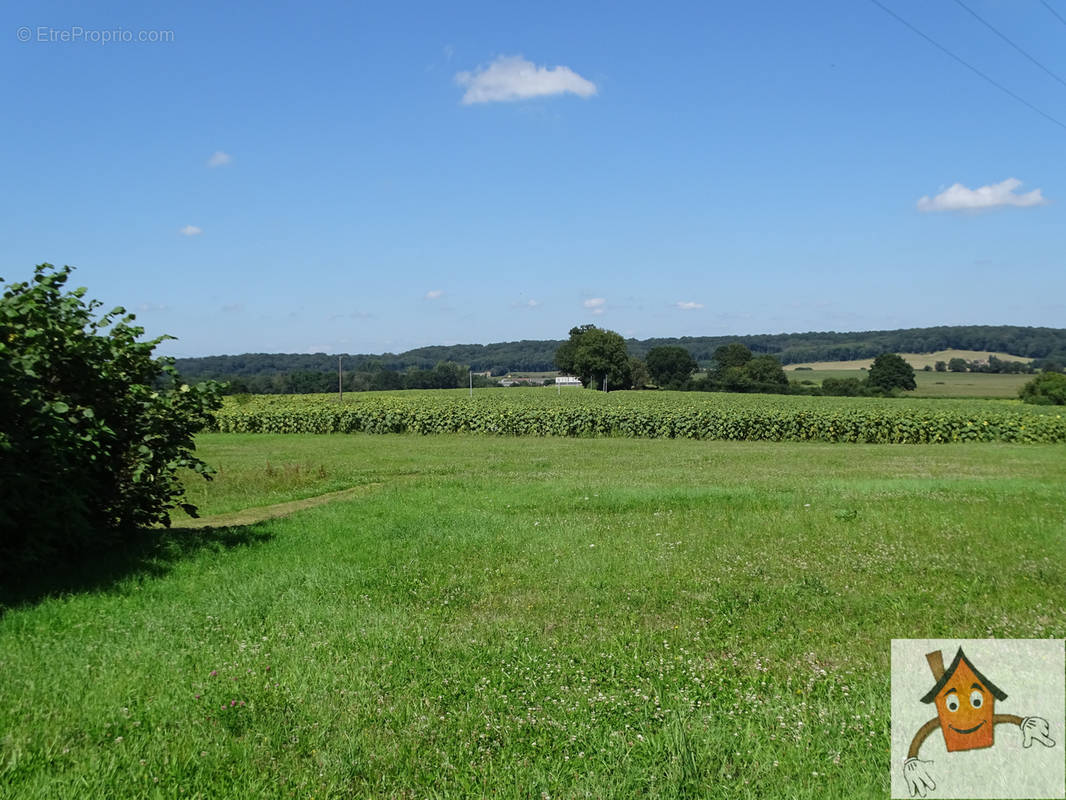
[
  {"x": 916, "y": 360},
  {"x": 543, "y": 617},
  {"x": 936, "y": 384}
]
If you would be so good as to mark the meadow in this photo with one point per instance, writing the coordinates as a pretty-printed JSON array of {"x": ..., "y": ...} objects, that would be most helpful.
[
  {"x": 526, "y": 617},
  {"x": 917, "y": 360},
  {"x": 935, "y": 384}
]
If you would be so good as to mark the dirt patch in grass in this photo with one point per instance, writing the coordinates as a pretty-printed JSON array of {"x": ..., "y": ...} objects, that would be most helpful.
[{"x": 248, "y": 516}]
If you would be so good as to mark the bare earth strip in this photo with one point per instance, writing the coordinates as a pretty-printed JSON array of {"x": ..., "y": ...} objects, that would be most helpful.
[{"x": 248, "y": 516}]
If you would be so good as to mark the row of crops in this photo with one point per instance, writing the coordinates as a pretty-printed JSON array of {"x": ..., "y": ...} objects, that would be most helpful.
[{"x": 577, "y": 412}]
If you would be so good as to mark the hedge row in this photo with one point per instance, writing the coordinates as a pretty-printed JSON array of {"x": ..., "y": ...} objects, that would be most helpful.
[{"x": 541, "y": 412}]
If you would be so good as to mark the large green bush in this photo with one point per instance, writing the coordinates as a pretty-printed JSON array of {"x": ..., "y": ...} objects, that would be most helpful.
[
  {"x": 1046, "y": 389},
  {"x": 889, "y": 371},
  {"x": 92, "y": 428}
]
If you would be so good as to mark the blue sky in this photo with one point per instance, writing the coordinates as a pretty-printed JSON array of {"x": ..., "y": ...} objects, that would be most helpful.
[{"x": 356, "y": 177}]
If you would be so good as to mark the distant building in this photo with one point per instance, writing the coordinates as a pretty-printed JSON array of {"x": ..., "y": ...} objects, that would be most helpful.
[{"x": 567, "y": 380}]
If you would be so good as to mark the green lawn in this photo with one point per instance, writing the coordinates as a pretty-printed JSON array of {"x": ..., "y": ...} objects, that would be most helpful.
[
  {"x": 934, "y": 384},
  {"x": 526, "y": 618}
]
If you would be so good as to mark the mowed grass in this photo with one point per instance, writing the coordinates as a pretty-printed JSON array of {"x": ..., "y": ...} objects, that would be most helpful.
[
  {"x": 935, "y": 384},
  {"x": 527, "y": 618}
]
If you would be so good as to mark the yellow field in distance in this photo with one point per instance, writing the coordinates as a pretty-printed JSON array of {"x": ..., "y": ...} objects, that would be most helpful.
[{"x": 916, "y": 360}]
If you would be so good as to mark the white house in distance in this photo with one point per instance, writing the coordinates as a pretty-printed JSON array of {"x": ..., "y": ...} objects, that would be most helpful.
[{"x": 567, "y": 380}]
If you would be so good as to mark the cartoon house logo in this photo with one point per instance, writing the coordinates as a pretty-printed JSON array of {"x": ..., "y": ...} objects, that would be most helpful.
[{"x": 965, "y": 702}]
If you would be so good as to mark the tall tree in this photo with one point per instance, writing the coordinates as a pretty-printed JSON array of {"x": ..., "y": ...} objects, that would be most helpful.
[
  {"x": 595, "y": 354},
  {"x": 767, "y": 371},
  {"x": 670, "y": 367},
  {"x": 733, "y": 354}
]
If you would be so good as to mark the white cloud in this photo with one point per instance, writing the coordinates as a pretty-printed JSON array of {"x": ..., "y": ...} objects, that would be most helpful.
[
  {"x": 531, "y": 303},
  {"x": 513, "y": 78},
  {"x": 688, "y": 305},
  {"x": 191, "y": 230},
  {"x": 433, "y": 294},
  {"x": 219, "y": 159},
  {"x": 959, "y": 198},
  {"x": 597, "y": 305}
]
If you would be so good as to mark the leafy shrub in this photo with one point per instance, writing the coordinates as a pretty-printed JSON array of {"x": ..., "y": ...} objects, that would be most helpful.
[
  {"x": 1046, "y": 389},
  {"x": 92, "y": 428},
  {"x": 889, "y": 371},
  {"x": 844, "y": 387}
]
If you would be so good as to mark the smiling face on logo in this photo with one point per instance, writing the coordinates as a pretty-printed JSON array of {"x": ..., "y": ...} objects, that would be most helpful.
[{"x": 965, "y": 708}]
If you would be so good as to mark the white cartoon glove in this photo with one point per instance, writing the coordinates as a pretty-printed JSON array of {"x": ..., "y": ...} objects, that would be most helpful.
[
  {"x": 917, "y": 776},
  {"x": 1036, "y": 729}
]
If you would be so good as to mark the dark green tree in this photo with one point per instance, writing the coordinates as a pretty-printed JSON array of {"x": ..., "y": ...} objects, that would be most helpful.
[
  {"x": 958, "y": 365},
  {"x": 670, "y": 367},
  {"x": 767, "y": 373},
  {"x": 733, "y": 354},
  {"x": 93, "y": 429},
  {"x": 638, "y": 373},
  {"x": 595, "y": 354},
  {"x": 889, "y": 371}
]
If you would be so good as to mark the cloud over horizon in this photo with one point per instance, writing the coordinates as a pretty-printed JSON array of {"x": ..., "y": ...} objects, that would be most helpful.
[
  {"x": 191, "y": 230},
  {"x": 433, "y": 294},
  {"x": 597, "y": 305},
  {"x": 219, "y": 159},
  {"x": 689, "y": 305},
  {"x": 510, "y": 78},
  {"x": 959, "y": 198}
]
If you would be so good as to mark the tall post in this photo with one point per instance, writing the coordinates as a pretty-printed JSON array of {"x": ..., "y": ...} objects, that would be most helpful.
[
  {"x": 470, "y": 373},
  {"x": 340, "y": 381}
]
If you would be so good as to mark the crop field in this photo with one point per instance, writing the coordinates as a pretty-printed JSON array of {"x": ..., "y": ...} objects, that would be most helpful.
[
  {"x": 536, "y": 617},
  {"x": 937, "y": 384},
  {"x": 672, "y": 415}
]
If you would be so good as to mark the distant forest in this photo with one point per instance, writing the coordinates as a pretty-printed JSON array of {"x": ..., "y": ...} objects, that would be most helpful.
[{"x": 285, "y": 372}]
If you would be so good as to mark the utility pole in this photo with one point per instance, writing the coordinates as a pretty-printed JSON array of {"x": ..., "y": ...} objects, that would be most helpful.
[
  {"x": 470, "y": 374},
  {"x": 340, "y": 381}
]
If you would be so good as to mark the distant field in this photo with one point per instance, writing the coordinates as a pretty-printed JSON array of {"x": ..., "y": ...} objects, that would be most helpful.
[
  {"x": 935, "y": 384},
  {"x": 916, "y": 360}
]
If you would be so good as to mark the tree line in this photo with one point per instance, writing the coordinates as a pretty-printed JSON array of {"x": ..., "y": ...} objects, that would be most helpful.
[
  {"x": 1047, "y": 345},
  {"x": 444, "y": 375},
  {"x": 600, "y": 358},
  {"x": 998, "y": 366}
]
